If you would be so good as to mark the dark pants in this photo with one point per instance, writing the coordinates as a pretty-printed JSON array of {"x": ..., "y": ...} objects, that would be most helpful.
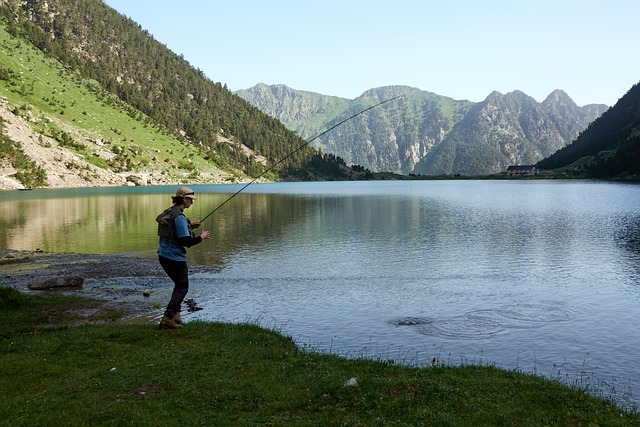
[{"x": 179, "y": 273}]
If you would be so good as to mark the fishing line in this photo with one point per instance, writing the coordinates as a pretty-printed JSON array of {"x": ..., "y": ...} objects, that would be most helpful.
[{"x": 296, "y": 150}]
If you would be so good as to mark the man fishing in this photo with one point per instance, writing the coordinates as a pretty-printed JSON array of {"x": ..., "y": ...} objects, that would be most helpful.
[{"x": 175, "y": 233}]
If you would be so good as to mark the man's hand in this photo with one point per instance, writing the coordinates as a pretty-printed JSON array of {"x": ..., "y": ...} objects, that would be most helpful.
[{"x": 204, "y": 234}]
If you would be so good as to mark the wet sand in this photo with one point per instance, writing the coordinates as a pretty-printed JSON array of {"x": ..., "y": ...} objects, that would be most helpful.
[{"x": 136, "y": 286}]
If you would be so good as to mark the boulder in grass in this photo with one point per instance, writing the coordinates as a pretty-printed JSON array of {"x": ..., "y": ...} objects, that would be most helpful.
[
  {"x": 56, "y": 282},
  {"x": 351, "y": 382},
  {"x": 136, "y": 180}
]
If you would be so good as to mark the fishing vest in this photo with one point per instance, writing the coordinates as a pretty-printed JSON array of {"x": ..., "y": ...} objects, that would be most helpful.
[{"x": 166, "y": 227}]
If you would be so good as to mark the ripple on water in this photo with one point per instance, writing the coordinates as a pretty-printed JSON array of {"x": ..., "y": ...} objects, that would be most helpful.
[
  {"x": 462, "y": 327},
  {"x": 410, "y": 321},
  {"x": 487, "y": 322}
]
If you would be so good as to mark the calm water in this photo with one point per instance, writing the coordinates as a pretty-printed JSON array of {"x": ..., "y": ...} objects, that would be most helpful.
[{"x": 540, "y": 276}]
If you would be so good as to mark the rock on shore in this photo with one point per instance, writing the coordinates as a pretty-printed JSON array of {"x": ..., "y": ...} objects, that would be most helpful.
[{"x": 136, "y": 286}]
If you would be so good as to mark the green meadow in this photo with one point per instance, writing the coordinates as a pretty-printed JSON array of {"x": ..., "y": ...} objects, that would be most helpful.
[{"x": 55, "y": 371}]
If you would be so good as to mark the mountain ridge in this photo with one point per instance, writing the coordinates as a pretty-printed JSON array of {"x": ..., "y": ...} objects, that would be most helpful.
[{"x": 428, "y": 134}]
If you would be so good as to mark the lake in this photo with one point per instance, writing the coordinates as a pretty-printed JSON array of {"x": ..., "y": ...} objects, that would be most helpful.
[{"x": 538, "y": 276}]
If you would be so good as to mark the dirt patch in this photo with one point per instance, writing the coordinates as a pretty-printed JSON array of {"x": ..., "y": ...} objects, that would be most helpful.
[{"x": 134, "y": 286}]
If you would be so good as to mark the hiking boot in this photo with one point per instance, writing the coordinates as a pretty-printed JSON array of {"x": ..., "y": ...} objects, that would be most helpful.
[
  {"x": 168, "y": 323},
  {"x": 177, "y": 319}
]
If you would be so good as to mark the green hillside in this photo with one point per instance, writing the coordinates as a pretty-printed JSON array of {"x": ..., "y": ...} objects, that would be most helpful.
[
  {"x": 79, "y": 115},
  {"x": 608, "y": 148},
  {"x": 96, "y": 83}
]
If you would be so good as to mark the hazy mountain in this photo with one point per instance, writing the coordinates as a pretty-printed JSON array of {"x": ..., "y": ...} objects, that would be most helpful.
[
  {"x": 505, "y": 130},
  {"x": 569, "y": 118},
  {"x": 301, "y": 111},
  {"x": 430, "y": 134},
  {"x": 393, "y": 137}
]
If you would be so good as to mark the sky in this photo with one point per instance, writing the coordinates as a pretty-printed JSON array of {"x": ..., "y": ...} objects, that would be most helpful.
[{"x": 463, "y": 49}]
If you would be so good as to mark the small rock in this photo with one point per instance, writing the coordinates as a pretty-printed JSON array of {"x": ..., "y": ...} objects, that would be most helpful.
[
  {"x": 54, "y": 282},
  {"x": 136, "y": 180},
  {"x": 351, "y": 382},
  {"x": 146, "y": 293},
  {"x": 192, "y": 305},
  {"x": 112, "y": 370}
]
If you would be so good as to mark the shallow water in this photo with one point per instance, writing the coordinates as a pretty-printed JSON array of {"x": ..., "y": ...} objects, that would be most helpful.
[{"x": 540, "y": 276}]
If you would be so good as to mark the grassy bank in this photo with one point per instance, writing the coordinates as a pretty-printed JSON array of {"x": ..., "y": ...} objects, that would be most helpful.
[{"x": 221, "y": 374}]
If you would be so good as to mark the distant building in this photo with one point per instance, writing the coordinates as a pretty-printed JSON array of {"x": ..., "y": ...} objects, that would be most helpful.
[{"x": 522, "y": 170}]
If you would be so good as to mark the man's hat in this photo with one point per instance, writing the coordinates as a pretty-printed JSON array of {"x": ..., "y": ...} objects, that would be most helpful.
[{"x": 186, "y": 192}]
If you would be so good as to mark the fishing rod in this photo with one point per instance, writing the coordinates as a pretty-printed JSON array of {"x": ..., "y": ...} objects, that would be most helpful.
[{"x": 296, "y": 150}]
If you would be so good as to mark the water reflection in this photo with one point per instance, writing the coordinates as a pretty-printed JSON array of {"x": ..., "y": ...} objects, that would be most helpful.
[
  {"x": 627, "y": 234},
  {"x": 99, "y": 224},
  {"x": 125, "y": 223}
]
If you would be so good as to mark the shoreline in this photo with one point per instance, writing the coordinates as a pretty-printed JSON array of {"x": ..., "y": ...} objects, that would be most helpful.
[{"x": 136, "y": 286}]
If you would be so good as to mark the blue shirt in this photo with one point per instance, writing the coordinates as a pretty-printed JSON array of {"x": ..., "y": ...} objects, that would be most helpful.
[{"x": 170, "y": 250}]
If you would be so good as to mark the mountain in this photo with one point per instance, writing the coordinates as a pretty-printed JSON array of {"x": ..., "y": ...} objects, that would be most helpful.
[
  {"x": 505, "y": 130},
  {"x": 391, "y": 138},
  {"x": 124, "y": 104},
  {"x": 304, "y": 112},
  {"x": 609, "y": 147},
  {"x": 429, "y": 134}
]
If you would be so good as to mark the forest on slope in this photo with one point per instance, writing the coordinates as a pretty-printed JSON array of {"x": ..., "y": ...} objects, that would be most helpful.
[
  {"x": 609, "y": 147},
  {"x": 163, "y": 89}
]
